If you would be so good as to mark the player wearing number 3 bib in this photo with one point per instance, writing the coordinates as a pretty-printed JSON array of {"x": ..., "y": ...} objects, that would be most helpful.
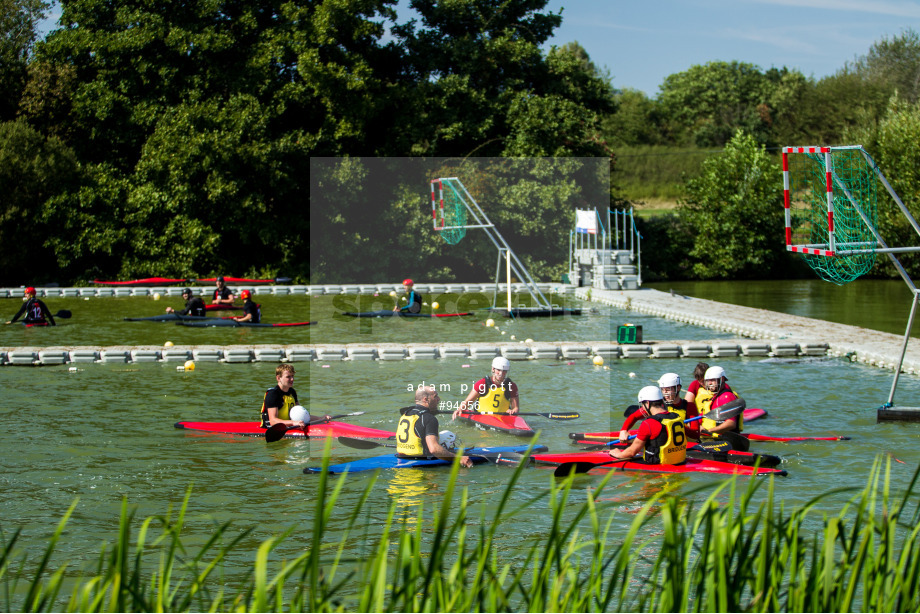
[
  {"x": 496, "y": 393},
  {"x": 661, "y": 438},
  {"x": 417, "y": 430}
]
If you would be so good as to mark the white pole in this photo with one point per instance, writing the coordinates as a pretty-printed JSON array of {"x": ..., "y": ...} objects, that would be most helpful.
[{"x": 508, "y": 269}]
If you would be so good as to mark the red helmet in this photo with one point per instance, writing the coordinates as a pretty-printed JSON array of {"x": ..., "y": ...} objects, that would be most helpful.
[
  {"x": 29, "y": 290},
  {"x": 408, "y": 282},
  {"x": 244, "y": 294}
]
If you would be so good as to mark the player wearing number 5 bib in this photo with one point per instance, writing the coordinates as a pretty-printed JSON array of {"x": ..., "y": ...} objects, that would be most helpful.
[
  {"x": 496, "y": 393},
  {"x": 661, "y": 439},
  {"x": 417, "y": 430}
]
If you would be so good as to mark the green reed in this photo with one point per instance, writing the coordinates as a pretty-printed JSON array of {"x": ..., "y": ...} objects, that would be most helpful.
[{"x": 726, "y": 552}]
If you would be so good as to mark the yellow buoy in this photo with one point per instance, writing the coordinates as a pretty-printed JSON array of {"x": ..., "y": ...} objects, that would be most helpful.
[
  {"x": 168, "y": 344},
  {"x": 392, "y": 292},
  {"x": 156, "y": 296},
  {"x": 490, "y": 322},
  {"x": 598, "y": 360},
  {"x": 528, "y": 341},
  {"x": 435, "y": 305},
  {"x": 189, "y": 365}
]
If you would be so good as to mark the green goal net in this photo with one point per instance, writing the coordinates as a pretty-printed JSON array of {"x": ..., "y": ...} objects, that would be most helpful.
[
  {"x": 448, "y": 210},
  {"x": 831, "y": 210}
]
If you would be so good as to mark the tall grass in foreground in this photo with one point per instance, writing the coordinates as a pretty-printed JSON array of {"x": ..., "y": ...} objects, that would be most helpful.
[{"x": 720, "y": 556}]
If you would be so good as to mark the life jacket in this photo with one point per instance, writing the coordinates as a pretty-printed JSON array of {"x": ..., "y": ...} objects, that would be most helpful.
[
  {"x": 408, "y": 442},
  {"x": 704, "y": 401},
  {"x": 670, "y": 446},
  {"x": 679, "y": 408},
  {"x": 496, "y": 399},
  {"x": 284, "y": 412},
  {"x": 413, "y": 302}
]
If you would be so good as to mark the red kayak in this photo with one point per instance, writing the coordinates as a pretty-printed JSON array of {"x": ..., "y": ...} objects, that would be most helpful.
[
  {"x": 692, "y": 465},
  {"x": 702, "y": 452},
  {"x": 513, "y": 425},
  {"x": 149, "y": 281},
  {"x": 243, "y": 280},
  {"x": 223, "y": 307},
  {"x": 322, "y": 429},
  {"x": 756, "y": 437}
]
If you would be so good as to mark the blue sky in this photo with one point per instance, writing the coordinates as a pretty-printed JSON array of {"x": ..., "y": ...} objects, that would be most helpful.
[{"x": 643, "y": 41}]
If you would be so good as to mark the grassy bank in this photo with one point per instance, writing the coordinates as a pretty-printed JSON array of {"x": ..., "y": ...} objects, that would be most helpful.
[{"x": 726, "y": 553}]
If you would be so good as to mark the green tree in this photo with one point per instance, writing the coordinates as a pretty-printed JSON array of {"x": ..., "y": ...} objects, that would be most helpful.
[
  {"x": 18, "y": 21},
  {"x": 894, "y": 64},
  {"x": 734, "y": 210},
  {"x": 706, "y": 105},
  {"x": 33, "y": 170}
]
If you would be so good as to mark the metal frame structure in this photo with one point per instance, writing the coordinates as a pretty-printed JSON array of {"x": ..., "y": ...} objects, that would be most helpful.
[
  {"x": 833, "y": 249},
  {"x": 482, "y": 221}
]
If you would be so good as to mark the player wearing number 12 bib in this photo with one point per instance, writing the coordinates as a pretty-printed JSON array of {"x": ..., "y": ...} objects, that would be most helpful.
[{"x": 661, "y": 439}]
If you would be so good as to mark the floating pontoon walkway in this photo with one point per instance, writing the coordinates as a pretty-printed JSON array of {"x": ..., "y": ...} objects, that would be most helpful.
[{"x": 760, "y": 333}]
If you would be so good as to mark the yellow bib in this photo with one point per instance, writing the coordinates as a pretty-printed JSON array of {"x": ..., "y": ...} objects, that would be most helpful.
[
  {"x": 494, "y": 401},
  {"x": 407, "y": 442}
]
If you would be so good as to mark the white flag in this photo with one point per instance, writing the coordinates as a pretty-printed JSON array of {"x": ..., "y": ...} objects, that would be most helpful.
[{"x": 586, "y": 221}]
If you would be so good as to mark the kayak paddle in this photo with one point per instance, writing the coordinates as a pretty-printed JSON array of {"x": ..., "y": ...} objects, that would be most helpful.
[
  {"x": 552, "y": 416},
  {"x": 64, "y": 314},
  {"x": 277, "y": 431},
  {"x": 363, "y": 444}
]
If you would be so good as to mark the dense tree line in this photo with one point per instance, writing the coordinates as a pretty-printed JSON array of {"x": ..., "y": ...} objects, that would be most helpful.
[{"x": 265, "y": 137}]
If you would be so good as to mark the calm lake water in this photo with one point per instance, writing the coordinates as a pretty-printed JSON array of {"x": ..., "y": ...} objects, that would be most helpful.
[
  {"x": 870, "y": 303},
  {"x": 105, "y": 433}
]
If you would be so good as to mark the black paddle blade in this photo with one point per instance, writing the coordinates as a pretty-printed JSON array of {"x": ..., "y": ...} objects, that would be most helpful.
[
  {"x": 276, "y": 432},
  {"x": 64, "y": 314},
  {"x": 566, "y": 469},
  {"x": 629, "y": 410},
  {"x": 363, "y": 444},
  {"x": 736, "y": 440}
]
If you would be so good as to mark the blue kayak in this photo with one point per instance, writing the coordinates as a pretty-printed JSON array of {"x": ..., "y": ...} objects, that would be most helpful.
[{"x": 391, "y": 461}]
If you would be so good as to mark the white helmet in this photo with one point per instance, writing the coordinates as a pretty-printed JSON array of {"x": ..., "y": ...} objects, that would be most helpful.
[
  {"x": 448, "y": 440},
  {"x": 299, "y": 413},
  {"x": 650, "y": 393},
  {"x": 669, "y": 379},
  {"x": 501, "y": 363},
  {"x": 714, "y": 373}
]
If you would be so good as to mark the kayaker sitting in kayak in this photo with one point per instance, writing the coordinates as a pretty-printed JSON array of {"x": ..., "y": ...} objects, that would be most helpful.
[
  {"x": 222, "y": 294},
  {"x": 251, "y": 311},
  {"x": 669, "y": 384},
  {"x": 496, "y": 393},
  {"x": 413, "y": 299},
  {"x": 278, "y": 401},
  {"x": 194, "y": 306},
  {"x": 714, "y": 394},
  {"x": 417, "y": 430},
  {"x": 661, "y": 439},
  {"x": 35, "y": 311}
]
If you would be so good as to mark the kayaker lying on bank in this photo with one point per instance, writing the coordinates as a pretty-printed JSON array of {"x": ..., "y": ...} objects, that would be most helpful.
[
  {"x": 417, "y": 431},
  {"x": 661, "y": 438}
]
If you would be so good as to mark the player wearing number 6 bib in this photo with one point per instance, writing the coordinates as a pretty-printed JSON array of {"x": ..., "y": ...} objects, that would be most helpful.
[
  {"x": 496, "y": 393},
  {"x": 661, "y": 439},
  {"x": 417, "y": 430}
]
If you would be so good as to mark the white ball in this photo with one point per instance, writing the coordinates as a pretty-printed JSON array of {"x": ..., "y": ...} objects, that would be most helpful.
[
  {"x": 631, "y": 374},
  {"x": 528, "y": 340},
  {"x": 392, "y": 292},
  {"x": 490, "y": 322},
  {"x": 435, "y": 305},
  {"x": 299, "y": 413},
  {"x": 156, "y": 296}
]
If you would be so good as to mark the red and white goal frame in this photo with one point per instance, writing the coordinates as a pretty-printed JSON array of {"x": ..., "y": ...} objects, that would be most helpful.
[{"x": 787, "y": 201}]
